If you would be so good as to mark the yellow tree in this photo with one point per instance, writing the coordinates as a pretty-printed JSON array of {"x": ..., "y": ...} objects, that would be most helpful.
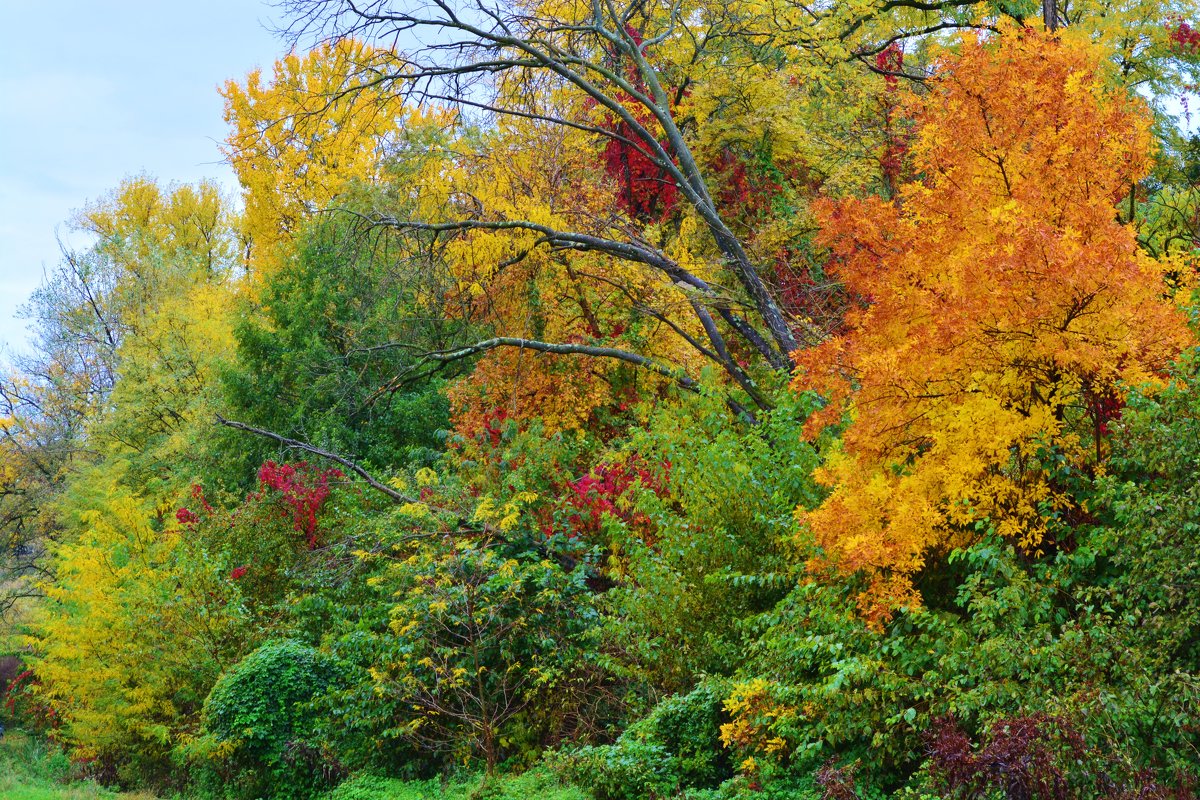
[
  {"x": 159, "y": 284},
  {"x": 322, "y": 121},
  {"x": 1003, "y": 309},
  {"x": 129, "y": 637},
  {"x": 127, "y": 332}
]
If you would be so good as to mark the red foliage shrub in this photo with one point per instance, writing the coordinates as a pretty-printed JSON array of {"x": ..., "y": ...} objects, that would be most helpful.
[
  {"x": 304, "y": 489},
  {"x": 600, "y": 492},
  {"x": 837, "y": 783},
  {"x": 22, "y": 702},
  {"x": 1022, "y": 757}
]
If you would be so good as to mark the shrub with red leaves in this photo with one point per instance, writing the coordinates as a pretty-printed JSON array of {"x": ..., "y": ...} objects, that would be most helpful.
[
  {"x": 645, "y": 190},
  {"x": 837, "y": 783},
  {"x": 1145, "y": 786},
  {"x": 1022, "y": 757},
  {"x": 493, "y": 426},
  {"x": 186, "y": 516},
  {"x": 304, "y": 489},
  {"x": 22, "y": 703},
  {"x": 1105, "y": 406},
  {"x": 1039, "y": 756},
  {"x": 744, "y": 191},
  {"x": 600, "y": 492}
]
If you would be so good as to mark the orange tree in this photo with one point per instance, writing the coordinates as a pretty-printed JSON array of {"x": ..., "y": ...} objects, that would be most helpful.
[{"x": 1004, "y": 309}]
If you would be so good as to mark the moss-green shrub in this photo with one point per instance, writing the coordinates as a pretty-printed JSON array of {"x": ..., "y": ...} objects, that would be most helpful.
[{"x": 675, "y": 748}]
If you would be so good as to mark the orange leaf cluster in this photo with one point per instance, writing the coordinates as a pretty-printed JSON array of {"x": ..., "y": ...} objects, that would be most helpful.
[{"x": 1002, "y": 298}]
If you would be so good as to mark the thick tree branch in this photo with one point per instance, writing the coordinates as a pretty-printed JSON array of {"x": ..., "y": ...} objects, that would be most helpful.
[
  {"x": 472, "y": 39},
  {"x": 635, "y": 251}
]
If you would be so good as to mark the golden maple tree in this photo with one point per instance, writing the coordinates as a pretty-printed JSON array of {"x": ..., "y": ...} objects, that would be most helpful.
[{"x": 1003, "y": 309}]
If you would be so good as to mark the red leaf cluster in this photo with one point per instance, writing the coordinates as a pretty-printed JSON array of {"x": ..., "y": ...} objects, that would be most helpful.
[
  {"x": 645, "y": 190},
  {"x": 187, "y": 516},
  {"x": 601, "y": 490},
  {"x": 890, "y": 61},
  {"x": 1183, "y": 38},
  {"x": 20, "y": 700},
  {"x": 1021, "y": 757},
  {"x": 304, "y": 489}
]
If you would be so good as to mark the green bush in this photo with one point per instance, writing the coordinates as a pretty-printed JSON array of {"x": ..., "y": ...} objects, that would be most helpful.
[
  {"x": 676, "y": 747},
  {"x": 475, "y": 637},
  {"x": 628, "y": 770},
  {"x": 536, "y": 784},
  {"x": 261, "y": 726},
  {"x": 689, "y": 727}
]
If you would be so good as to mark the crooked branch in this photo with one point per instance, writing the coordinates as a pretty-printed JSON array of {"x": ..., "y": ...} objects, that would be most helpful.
[
  {"x": 442, "y": 357},
  {"x": 296, "y": 444}
]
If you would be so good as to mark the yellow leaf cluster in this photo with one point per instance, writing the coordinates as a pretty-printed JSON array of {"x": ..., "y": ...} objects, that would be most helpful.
[{"x": 298, "y": 139}]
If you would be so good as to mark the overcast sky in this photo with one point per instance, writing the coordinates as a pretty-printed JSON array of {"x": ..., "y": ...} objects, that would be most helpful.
[{"x": 92, "y": 91}]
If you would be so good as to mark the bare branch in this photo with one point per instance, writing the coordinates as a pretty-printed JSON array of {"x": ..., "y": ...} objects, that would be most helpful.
[
  {"x": 296, "y": 444},
  {"x": 448, "y": 356}
]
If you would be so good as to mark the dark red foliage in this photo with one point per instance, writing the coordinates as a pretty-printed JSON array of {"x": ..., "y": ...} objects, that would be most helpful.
[
  {"x": 890, "y": 61},
  {"x": 743, "y": 193},
  {"x": 1146, "y": 787},
  {"x": 304, "y": 489},
  {"x": 237, "y": 573},
  {"x": 837, "y": 783},
  {"x": 601, "y": 490},
  {"x": 645, "y": 189},
  {"x": 188, "y": 517},
  {"x": 1183, "y": 38},
  {"x": 22, "y": 702},
  {"x": 198, "y": 494},
  {"x": 1022, "y": 758},
  {"x": 1105, "y": 406},
  {"x": 493, "y": 426}
]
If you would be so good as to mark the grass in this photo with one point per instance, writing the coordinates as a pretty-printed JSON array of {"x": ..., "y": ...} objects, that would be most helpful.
[
  {"x": 31, "y": 769},
  {"x": 537, "y": 784}
]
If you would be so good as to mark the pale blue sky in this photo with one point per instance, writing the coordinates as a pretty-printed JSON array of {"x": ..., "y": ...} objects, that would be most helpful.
[{"x": 92, "y": 91}]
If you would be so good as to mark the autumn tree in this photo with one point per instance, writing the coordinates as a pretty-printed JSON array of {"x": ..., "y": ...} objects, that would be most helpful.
[
  {"x": 132, "y": 633},
  {"x": 125, "y": 330},
  {"x": 710, "y": 127},
  {"x": 1005, "y": 311},
  {"x": 299, "y": 137},
  {"x": 616, "y": 83}
]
